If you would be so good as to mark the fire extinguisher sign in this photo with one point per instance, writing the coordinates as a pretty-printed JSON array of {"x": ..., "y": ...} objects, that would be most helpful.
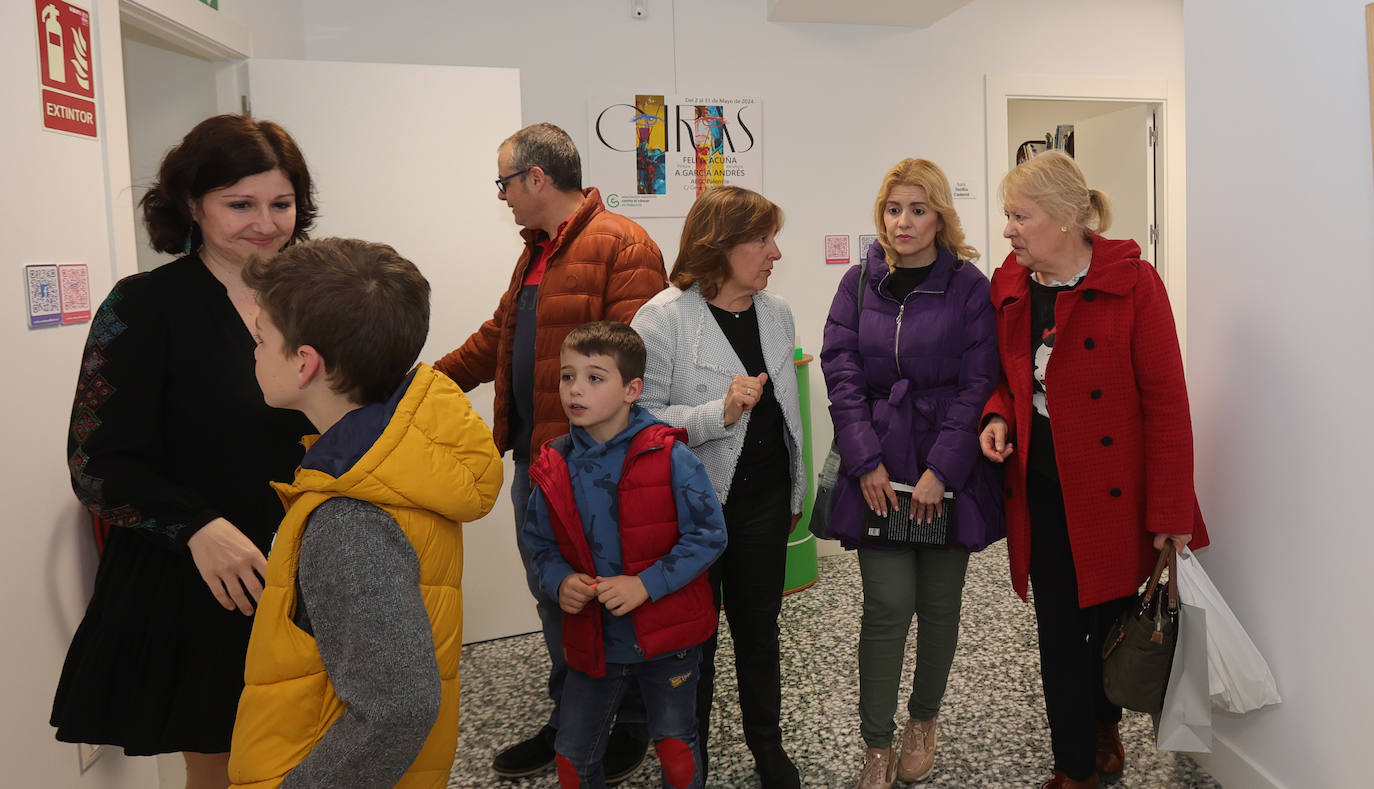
[{"x": 66, "y": 73}]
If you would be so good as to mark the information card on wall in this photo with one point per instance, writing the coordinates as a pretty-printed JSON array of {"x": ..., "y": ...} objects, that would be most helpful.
[
  {"x": 57, "y": 293},
  {"x": 651, "y": 154}
]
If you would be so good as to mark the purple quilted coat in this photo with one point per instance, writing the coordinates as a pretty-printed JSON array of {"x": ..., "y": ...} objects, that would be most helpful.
[{"x": 907, "y": 384}]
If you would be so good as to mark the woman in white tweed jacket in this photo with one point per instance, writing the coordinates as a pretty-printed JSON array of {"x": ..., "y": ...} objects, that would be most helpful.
[{"x": 720, "y": 365}]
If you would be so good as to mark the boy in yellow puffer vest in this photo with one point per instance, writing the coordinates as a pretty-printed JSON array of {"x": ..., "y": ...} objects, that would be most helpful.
[{"x": 362, "y": 598}]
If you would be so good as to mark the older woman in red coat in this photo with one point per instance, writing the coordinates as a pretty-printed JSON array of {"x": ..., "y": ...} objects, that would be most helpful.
[{"x": 1100, "y": 472}]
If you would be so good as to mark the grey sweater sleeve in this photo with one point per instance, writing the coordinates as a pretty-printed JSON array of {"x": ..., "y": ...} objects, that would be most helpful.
[{"x": 359, "y": 579}]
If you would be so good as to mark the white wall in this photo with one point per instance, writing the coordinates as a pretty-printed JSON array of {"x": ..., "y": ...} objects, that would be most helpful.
[
  {"x": 1281, "y": 266},
  {"x": 841, "y": 102},
  {"x": 67, "y": 201},
  {"x": 277, "y": 26},
  {"x": 56, "y": 209}
]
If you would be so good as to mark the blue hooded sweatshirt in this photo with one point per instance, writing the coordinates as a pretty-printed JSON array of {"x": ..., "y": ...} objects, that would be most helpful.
[{"x": 595, "y": 472}]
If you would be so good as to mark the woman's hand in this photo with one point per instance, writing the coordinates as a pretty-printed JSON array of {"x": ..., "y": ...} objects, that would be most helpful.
[
  {"x": 877, "y": 490},
  {"x": 1180, "y": 541},
  {"x": 927, "y": 500},
  {"x": 993, "y": 440},
  {"x": 230, "y": 564},
  {"x": 743, "y": 394}
]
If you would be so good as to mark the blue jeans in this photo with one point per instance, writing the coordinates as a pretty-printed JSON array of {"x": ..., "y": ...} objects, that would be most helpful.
[
  {"x": 550, "y": 615},
  {"x": 668, "y": 685}
]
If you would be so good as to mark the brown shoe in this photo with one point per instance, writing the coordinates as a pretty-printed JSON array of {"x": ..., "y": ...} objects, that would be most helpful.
[
  {"x": 1111, "y": 754},
  {"x": 1062, "y": 781},
  {"x": 917, "y": 761},
  {"x": 879, "y": 769}
]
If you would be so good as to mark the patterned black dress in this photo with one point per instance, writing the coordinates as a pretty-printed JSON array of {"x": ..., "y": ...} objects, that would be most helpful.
[{"x": 168, "y": 432}]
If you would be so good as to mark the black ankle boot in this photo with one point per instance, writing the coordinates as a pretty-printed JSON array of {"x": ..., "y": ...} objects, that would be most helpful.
[
  {"x": 625, "y": 751},
  {"x": 527, "y": 757},
  {"x": 776, "y": 770}
]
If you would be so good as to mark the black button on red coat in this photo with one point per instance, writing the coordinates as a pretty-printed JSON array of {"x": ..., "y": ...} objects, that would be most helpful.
[
  {"x": 1116, "y": 493},
  {"x": 1106, "y": 441},
  {"x": 1089, "y": 344}
]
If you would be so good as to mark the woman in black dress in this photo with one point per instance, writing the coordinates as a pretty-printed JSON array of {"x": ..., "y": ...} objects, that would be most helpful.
[{"x": 172, "y": 446}]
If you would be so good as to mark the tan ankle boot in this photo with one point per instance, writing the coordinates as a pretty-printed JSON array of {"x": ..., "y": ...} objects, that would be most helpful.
[
  {"x": 878, "y": 769},
  {"x": 918, "y": 750}
]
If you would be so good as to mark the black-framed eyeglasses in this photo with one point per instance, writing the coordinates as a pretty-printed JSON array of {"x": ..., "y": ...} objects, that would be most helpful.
[{"x": 505, "y": 179}]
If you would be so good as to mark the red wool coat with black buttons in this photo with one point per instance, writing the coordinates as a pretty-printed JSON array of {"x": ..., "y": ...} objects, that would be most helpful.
[{"x": 1123, "y": 436}]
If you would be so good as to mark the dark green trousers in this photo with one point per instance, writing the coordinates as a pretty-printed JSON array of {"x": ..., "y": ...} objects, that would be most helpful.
[{"x": 927, "y": 583}]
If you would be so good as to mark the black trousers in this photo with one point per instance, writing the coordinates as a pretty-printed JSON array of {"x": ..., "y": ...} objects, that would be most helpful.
[
  {"x": 1070, "y": 637},
  {"x": 749, "y": 576}
]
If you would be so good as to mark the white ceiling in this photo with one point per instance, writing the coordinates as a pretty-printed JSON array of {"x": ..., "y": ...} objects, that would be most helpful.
[{"x": 902, "y": 13}]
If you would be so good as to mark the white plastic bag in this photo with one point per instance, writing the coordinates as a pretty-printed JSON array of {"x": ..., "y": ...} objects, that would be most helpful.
[
  {"x": 1238, "y": 676},
  {"x": 1185, "y": 723}
]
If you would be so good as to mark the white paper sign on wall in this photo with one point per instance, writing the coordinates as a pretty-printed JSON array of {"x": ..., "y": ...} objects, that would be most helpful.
[{"x": 651, "y": 154}]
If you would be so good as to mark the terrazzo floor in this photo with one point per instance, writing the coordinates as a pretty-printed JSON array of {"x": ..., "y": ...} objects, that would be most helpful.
[{"x": 992, "y": 725}]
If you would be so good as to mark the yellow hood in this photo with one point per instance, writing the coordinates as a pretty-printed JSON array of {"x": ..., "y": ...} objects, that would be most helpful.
[{"x": 427, "y": 450}]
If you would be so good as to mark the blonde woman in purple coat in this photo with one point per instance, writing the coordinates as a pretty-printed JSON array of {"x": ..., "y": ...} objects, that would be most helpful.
[{"x": 908, "y": 377}]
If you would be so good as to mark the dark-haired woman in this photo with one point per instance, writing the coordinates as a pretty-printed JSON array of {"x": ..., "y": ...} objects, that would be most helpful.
[
  {"x": 172, "y": 446},
  {"x": 720, "y": 365}
]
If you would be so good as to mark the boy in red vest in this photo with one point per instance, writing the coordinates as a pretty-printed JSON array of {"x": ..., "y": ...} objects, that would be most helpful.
[{"x": 621, "y": 529}]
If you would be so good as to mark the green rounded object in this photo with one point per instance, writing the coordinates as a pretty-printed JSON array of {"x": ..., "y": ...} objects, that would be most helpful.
[{"x": 802, "y": 569}]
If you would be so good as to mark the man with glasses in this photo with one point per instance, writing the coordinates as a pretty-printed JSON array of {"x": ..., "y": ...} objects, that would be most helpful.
[{"x": 581, "y": 263}]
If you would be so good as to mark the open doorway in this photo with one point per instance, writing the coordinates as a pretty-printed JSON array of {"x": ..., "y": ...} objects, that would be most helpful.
[
  {"x": 1113, "y": 141},
  {"x": 1165, "y": 97},
  {"x": 167, "y": 90}
]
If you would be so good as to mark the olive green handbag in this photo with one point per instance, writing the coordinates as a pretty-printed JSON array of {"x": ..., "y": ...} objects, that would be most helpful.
[{"x": 1139, "y": 649}]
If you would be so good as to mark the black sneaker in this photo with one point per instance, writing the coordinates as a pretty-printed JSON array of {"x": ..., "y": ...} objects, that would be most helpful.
[
  {"x": 776, "y": 770},
  {"x": 528, "y": 757},
  {"x": 624, "y": 751}
]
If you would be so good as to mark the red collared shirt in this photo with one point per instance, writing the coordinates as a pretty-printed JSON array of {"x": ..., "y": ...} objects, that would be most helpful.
[{"x": 535, "y": 275}]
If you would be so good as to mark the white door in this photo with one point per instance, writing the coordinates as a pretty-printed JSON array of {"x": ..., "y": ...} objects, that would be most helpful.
[
  {"x": 1117, "y": 156},
  {"x": 406, "y": 155}
]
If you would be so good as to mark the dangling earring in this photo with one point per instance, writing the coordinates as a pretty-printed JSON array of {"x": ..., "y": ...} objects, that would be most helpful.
[{"x": 190, "y": 234}]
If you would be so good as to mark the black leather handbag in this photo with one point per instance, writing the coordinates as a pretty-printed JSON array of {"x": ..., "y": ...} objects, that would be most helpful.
[{"x": 1139, "y": 649}]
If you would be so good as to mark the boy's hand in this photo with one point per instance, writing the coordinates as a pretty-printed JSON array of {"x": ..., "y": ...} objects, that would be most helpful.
[
  {"x": 575, "y": 592},
  {"x": 621, "y": 594}
]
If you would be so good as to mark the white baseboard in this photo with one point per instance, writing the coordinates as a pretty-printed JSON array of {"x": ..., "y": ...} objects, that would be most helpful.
[{"x": 1233, "y": 769}]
